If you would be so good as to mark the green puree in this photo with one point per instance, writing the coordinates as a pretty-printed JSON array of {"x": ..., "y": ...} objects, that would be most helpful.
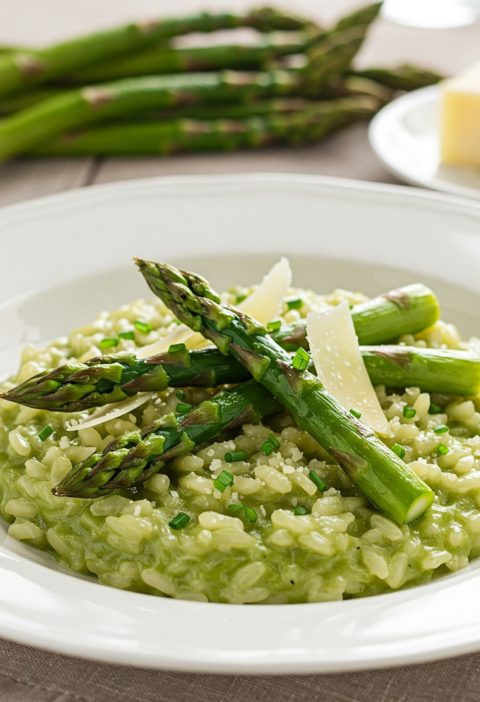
[{"x": 260, "y": 517}]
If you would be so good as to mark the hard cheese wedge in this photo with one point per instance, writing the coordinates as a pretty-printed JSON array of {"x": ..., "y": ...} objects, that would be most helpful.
[
  {"x": 460, "y": 119},
  {"x": 339, "y": 365}
]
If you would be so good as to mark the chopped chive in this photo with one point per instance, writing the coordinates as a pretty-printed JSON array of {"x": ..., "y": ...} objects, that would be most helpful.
[
  {"x": 440, "y": 429},
  {"x": 240, "y": 298},
  {"x": 174, "y": 348},
  {"x": 301, "y": 359},
  {"x": 442, "y": 450},
  {"x": 434, "y": 409},
  {"x": 108, "y": 342},
  {"x": 270, "y": 445},
  {"x": 250, "y": 514},
  {"x": 143, "y": 327},
  {"x": 316, "y": 479},
  {"x": 295, "y": 304},
  {"x": 179, "y": 521},
  {"x": 180, "y": 394},
  {"x": 183, "y": 407},
  {"x": 356, "y": 413},
  {"x": 224, "y": 480},
  {"x": 45, "y": 432},
  {"x": 235, "y": 456},
  {"x": 235, "y": 507},
  {"x": 274, "y": 325},
  {"x": 127, "y": 335},
  {"x": 409, "y": 412},
  {"x": 299, "y": 510},
  {"x": 399, "y": 450}
]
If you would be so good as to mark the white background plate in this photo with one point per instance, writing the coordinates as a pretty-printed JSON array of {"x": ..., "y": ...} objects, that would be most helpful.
[
  {"x": 405, "y": 135},
  {"x": 337, "y": 234}
]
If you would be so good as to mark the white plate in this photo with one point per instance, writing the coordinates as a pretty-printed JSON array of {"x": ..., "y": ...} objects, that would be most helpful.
[
  {"x": 337, "y": 234},
  {"x": 405, "y": 135}
]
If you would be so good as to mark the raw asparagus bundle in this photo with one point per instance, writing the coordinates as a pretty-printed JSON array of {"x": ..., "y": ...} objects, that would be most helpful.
[
  {"x": 164, "y": 138},
  {"x": 381, "y": 475},
  {"x": 77, "y": 386},
  {"x": 137, "y": 456},
  {"x": 28, "y": 68},
  {"x": 329, "y": 53}
]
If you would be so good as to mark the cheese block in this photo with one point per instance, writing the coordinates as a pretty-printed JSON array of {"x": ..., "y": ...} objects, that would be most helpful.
[{"x": 460, "y": 119}]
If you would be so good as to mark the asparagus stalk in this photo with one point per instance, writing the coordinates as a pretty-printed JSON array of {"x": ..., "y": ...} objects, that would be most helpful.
[
  {"x": 23, "y": 70},
  {"x": 137, "y": 456},
  {"x": 215, "y": 135},
  {"x": 383, "y": 477},
  {"x": 197, "y": 58},
  {"x": 75, "y": 387},
  {"x": 403, "y": 77}
]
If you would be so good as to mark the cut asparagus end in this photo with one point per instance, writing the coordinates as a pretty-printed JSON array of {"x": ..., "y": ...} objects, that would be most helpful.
[{"x": 418, "y": 507}]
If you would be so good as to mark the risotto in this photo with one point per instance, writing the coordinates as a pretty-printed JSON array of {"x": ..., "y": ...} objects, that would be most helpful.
[{"x": 288, "y": 527}]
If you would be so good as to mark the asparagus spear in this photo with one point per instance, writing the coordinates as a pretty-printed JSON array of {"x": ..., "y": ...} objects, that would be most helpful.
[
  {"x": 215, "y": 135},
  {"x": 383, "y": 477},
  {"x": 23, "y": 70},
  {"x": 403, "y": 77},
  {"x": 138, "y": 455},
  {"x": 157, "y": 60},
  {"x": 79, "y": 386}
]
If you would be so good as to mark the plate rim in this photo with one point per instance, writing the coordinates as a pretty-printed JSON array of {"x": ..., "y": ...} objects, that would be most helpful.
[{"x": 308, "y": 664}]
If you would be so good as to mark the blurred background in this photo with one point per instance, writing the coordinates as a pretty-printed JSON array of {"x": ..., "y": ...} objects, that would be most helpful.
[{"x": 441, "y": 35}]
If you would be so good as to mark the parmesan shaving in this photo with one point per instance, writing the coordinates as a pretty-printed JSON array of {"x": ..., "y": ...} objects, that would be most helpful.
[
  {"x": 111, "y": 411},
  {"x": 265, "y": 303},
  {"x": 339, "y": 365}
]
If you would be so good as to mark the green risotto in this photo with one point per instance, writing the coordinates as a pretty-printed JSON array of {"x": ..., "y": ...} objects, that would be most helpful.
[{"x": 262, "y": 515}]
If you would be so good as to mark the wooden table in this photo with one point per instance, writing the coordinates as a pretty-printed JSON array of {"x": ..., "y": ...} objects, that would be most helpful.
[{"x": 32, "y": 675}]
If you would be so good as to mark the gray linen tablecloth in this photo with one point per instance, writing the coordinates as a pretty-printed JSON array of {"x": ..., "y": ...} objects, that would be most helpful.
[{"x": 28, "y": 674}]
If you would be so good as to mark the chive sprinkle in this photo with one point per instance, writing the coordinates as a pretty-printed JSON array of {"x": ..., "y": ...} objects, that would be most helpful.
[
  {"x": 179, "y": 521},
  {"x": 356, "y": 413},
  {"x": 399, "y": 450},
  {"x": 270, "y": 445},
  {"x": 127, "y": 335},
  {"x": 108, "y": 342},
  {"x": 224, "y": 480},
  {"x": 442, "y": 450},
  {"x": 175, "y": 348},
  {"x": 301, "y": 359},
  {"x": 434, "y": 409},
  {"x": 45, "y": 432},
  {"x": 299, "y": 510},
  {"x": 409, "y": 412},
  {"x": 295, "y": 304},
  {"x": 143, "y": 327},
  {"x": 240, "y": 298},
  {"x": 316, "y": 479},
  {"x": 235, "y": 456},
  {"x": 274, "y": 325},
  {"x": 235, "y": 507},
  {"x": 183, "y": 407},
  {"x": 440, "y": 429},
  {"x": 250, "y": 514}
]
